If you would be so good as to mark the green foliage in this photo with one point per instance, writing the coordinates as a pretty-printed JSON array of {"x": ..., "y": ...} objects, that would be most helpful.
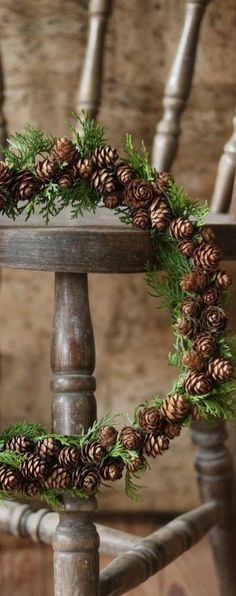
[
  {"x": 31, "y": 431},
  {"x": 26, "y": 146},
  {"x": 125, "y": 454},
  {"x": 138, "y": 160},
  {"x": 11, "y": 458},
  {"x": 132, "y": 489},
  {"x": 181, "y": 205},
  {"x": 220, "y": 403},
  {"x": 80, "y": 198},
  {"x": 92, "y": 135}
]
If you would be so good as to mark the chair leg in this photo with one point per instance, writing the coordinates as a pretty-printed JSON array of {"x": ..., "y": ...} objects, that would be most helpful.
[{"x": 215, "y": 478}]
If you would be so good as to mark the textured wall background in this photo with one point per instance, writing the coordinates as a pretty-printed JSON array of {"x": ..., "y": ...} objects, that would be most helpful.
[{"x": 42, "y": 50}]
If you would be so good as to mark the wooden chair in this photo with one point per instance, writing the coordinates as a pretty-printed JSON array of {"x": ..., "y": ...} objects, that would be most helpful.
[{"x": 101, "y": 244}]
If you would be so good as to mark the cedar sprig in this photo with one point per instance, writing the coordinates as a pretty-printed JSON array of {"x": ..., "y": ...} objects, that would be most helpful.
[
  {"x": 182, "y": 206},
  {"x": 125, "y": 454},
  {"x": 11, "y": 458},
  {"x": 91, "y": 135},
  {"x": 132, "y": 489},
  {"x": 138, "y": 160},
  {"x": 25, "y": 146},
  {"x": 80, "y": 198},
  {"x": 31, "y": 431}
]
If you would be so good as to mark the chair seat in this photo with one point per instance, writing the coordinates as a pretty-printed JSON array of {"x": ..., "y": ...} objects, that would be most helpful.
[{"x": 94, "y": 243}]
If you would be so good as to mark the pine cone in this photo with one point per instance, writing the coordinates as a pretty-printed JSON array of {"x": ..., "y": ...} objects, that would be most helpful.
[
  {"x": 135, "y": 464},
  {"x": 112, "y": 469},
  {"x": 2, "y": 201},
  {"x": 213, "y": 319},
  {"x": 84, "y": 167},
  {"x": 222, "y": 280},
  {"x": 160, "y": 214},
  {"x": 155, "y": 444},
  {"x": 220, "y": 369},
  {"x": 48, "y": 448},
  {"x": 34, "y": 468},
  {"x": 107, "y": 436},
  {"x": 124, "y": 173},
  {"x": 130, "y": 437},
  {"x": 150, "y": 419},
  {"x": 87, "y": 480},
  {"x": 58, "y": 477},
  {"x": 187, "y": 247},
  {"x": 23, "y": 185},
  {"x": 138, "y": 193},
  {"x": 191, "y": 307},
  {"x": 207, "y": 255},
  {"x": 104, "y": 156},
  {"x": 31, "y": 489},
  {"x": 162, "y": 182},
  {"x": 195, "y": 412},
  {"x": 92, "y": 452},
  {"x": 194, "y": 361},
  {"x": 181, "y": 227},
  {"x": 46, "y": 169},
  {"x": 140, "y": 218},
  {"x": 21, "y": 444},
  {"x": 175, "y": 408},
  {"x": 197, "y": 383},
  {"x": 211, "y": 296},
  {"x": 205, "y": 345},
  {"x": 66, "y": 179},
  {"x": 187, "y": 327},
  {"x": 208, "y": 235},
  {"x": 63, "y": 150},
  {"x": 103, "y": 181},
  {"x": 69, "y": 456},
  {"x": 5, "y": 174},
  {"x": 171, "y": 430},
  {"x": 112, "y": 201},
  {"x": 9, "y": 478},
  {"x": 194, "y": 281}
]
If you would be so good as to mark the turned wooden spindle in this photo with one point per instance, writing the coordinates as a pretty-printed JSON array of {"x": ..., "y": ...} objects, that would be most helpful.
[
  {"x": 224, "y": 182},
  {"x": 178, "y": 87},
  {"x": 76, "y": 541},
  {"x": 90, "y": 89},
  {"x": 215, "y": 478},
  {"x": 3, "y": 126}
]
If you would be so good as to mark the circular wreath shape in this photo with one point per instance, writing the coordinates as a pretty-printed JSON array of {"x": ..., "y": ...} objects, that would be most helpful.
[{"x": 48, "y": 174}]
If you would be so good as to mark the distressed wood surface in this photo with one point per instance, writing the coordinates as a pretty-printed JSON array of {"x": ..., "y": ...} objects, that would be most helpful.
[{"x": 223, "y": 189}]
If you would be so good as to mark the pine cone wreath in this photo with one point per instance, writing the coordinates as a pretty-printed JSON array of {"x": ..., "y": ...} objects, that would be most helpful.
[
  {"x": 104, "y": 156},
  {"x": 222, "y": 280},
  {"x": 46, "y": 169},
  {"x": 107, "y": 436},
  {"x": 207, "y": 255},
  {"x": 187, "y": 247},
  {"x": 175, "y": 408},
  {"x": 2, "y": 201},
  {"x": 5, "y": 175},
  {"x": 162, "y": 182},
  {"x": 69, "y": 456},
  {"x": 220, "y": 369},
  {"x": 208, "y": 235},
  {"x": 130, "y": 438},
  {"x": 171, "y": 430},
  {"x": 124, "y": 173},
  {"x": 140, "y": 218},
  {"x": 30, "y": 489},
  {"x": 58, "y": 477},
  {"x": 23, "y": 185},
  {"x": 197, "y": 383},
  {"x": 112, "y": 469},
  {"x": 21, "y": 444},
  {"x": 213, "y": 319},
  {"x": 138, "y": 193},
  {"x": 160, "y": 214},
  {"x": 205, "y": 345},
  {"x": 187, "y": 327},
  {"x": 135, "y": 464},
  {"x": 66, "y": 179},
  {"x": 194, "y": 361},
  {"x": 181, "y": 228},
  {"x": 211, "y": 296},
  {"x": 113, "y": 200},
  {"x": 154, "y": 444},
  {"x": 34, "y": 468},
  {"x": 92, "y": 452},
  {"x": 104, "y": 181},
  {"x": 191, "y": 307},
  {"x": 9, "y": 478},
  {"x": 150, "y": 419},
  {"x": 83, "y": 167},
  {"x": 88, "y": 479},
  {"x": 48, "y": 448},
  {"x": 63, "y": 150}
]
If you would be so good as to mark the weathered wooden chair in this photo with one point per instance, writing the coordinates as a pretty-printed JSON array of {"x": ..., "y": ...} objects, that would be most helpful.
[{"x": 100, "y": 244}]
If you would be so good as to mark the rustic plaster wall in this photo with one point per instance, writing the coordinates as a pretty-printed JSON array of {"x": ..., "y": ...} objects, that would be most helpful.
[{"x": 42, "y": 50}]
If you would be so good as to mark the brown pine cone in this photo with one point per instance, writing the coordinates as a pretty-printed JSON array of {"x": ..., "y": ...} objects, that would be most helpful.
[
  {"x": 83, "y": 167},
  {"x": 149, "y": 419},
  {"x": 138, "y": 193},
  {"x": 175, "y": 408},
  {"x": 23, "y": 185},
  {"x": 205, "y": 345},
  {"x": 45, "y": 169},
  {"x": 207, "y": 255},
  {"x": 112, "y": 469},
  {"x": 195, "y": 412},
  {"x": 104, "y": 156},
  {"x": 194, "y": 281},
  {"x": 9, "y": 478},
  {"x": 187, "y": 327},
  {"x": 92, "y": 452},
  {"x": 103, "y": 181},
  {"x": 5, "y": 174},
  {"x": 63, "y": 150},
  {"x": 140, "y": 218},
  {"x": 187, "y": 247},
  {"x": 211, "y": 296},
  {"x": 66, "y": 179},
  {"x": 222, "y": 280},
  {"x": 171, "y": 430},
  {"x": 221, "y": 369},
  {"x": 160, "y": 214},
  {"x": 124, "y": 173},
  {"x": 161, "y": 183},
  {"x": 34, "y": 468},
  {"x": 197, "y": 383},
  {"x": 194, "y": 361},
  {"x": 108, "y": 436},
  {"x": 213, "y": 319},
  {"x": 154, "y": 444},
  {"x": 47, "y": 448},
  {"x": 31, "y": 489},
  {"x": 89, "y": 479},
  {"x": 207, "y": 234},
  {"x": 181, "y": 228},
  {"x": 191, "y": 307},
  {"x": 69, "y": 456},
  {"x": 2, "y": 201},
  {"x": 130, "y": 437},
  {"x": 135, "y": 464},
  {"x": 58, "y": 477},
  {"x": 21, "y": 444},
  {"x": 112, "y": 200}
]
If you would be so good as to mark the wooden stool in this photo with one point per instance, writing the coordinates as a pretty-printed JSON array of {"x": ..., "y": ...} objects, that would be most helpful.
[{"x": 72, "y": 250}]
